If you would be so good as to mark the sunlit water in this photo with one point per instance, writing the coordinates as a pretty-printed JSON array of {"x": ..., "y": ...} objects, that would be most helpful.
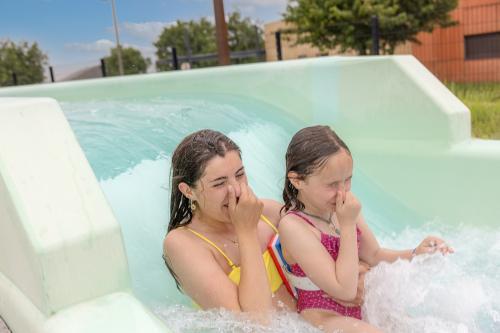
[{"x": 129, "y": 144}]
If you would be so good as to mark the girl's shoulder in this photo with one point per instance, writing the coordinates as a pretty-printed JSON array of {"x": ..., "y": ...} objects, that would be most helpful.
[
  {"x": 291, "y": 221},
  {"x": 180, "y": 239},
  {"x": 272, "y": 210}
]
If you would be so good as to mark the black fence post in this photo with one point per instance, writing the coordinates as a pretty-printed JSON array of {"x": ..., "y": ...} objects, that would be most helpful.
[
  {"x": 257, "y": 38},
  {"x": 175, "y": 62},
  {"x": 103, "y": 67},
  {"x": 277, "y": 36},
  {"x": 375, "y": 35},
  {"x": 14, "y": 78},
  {"x": 51, "y": 74}
]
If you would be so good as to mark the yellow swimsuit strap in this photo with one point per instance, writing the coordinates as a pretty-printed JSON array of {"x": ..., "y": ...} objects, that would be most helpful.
[
  {"x": 265, "y": 219},
  {"x": 229, "y": 261}
]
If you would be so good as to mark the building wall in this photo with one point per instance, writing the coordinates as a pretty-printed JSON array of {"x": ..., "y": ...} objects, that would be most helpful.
[
  {"x": 442, "y": 51},
  {"x": 288, "y": 48}
]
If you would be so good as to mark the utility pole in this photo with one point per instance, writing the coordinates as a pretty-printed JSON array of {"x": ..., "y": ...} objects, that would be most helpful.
[
  {"x": 221, "y": 32},
  {"x": 118, "y": 46}
]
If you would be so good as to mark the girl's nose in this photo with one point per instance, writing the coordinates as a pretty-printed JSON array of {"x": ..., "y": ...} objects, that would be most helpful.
[
  {"x": 237, "y": 188},
  {"x": 342, "y": 186}
]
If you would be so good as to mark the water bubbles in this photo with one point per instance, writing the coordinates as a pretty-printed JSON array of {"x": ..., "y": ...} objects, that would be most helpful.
[
  {"x": 436, "y": 293},
  {"x": 180, "y": 319}
]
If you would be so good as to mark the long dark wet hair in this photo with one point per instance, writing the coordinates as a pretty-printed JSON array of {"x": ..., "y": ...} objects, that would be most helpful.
[
  {"x": 188, "y": 164},
  {"x": 308, "y": 151}
]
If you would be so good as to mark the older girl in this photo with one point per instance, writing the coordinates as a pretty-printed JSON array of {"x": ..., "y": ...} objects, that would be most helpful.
[{"x": 218, "y": 232}]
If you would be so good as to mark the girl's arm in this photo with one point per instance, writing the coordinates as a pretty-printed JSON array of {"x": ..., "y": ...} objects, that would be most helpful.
[
  {"x": 337, "y": 279},
  {"x": 200, "y": 275},
  {"x": 254, "y": 294},
  {"x": 203, "y": 279},
  {"x": 372, "y": 253},
  {"x": 253, "y": 291}
]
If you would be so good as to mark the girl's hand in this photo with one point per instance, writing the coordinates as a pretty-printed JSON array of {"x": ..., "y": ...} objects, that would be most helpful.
[
  {"x": 347, "y": 208},
  {"x": 432, "y": 244},
  {"x": 244, "y": 211}
]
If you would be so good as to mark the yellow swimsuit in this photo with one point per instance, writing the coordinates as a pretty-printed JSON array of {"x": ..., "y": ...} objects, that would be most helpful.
[{"x": 273, "y": 276}]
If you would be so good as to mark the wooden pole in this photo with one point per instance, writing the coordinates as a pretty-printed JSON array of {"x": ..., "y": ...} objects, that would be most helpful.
[{"x": 221, "y": 31}]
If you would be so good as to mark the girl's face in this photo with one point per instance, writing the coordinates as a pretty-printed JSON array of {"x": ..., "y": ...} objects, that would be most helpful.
[
  {"x": 211, "y": 192},
  {"x": 319, "y": 190}
]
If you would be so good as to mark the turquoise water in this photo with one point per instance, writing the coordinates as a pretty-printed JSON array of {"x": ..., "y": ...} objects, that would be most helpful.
[{"x": 128, "y": 144}]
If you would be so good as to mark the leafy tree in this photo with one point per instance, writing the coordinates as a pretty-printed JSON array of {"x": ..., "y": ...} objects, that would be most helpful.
[
  {"x": 26, "y": 60},
  {"x": 133, "y": 62},
  {"x": 328, "y": 24},
  {"x": 200, "y": 38},
  {"x": 244, "y": 35}
]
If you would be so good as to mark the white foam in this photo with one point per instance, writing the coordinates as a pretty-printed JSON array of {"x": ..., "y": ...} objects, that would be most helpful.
[
  {"x": 435, "y": 293},
  {"x": 181, "y": 319}
]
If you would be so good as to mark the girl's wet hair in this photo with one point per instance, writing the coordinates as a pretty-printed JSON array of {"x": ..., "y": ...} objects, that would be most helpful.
[
  {"x": 188, "y": 164},
  {"x": 307, "y": 152}
]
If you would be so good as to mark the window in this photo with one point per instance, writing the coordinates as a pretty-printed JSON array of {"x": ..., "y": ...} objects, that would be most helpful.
[{"x": 482, "y": 46}]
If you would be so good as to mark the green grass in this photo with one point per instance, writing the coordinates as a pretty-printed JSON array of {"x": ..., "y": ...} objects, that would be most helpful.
[{"x": 483, "y": 101}]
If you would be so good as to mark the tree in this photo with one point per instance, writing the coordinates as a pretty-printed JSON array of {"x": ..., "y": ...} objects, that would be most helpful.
[
  {"x": 25, "y": 60},
  {"x": 133, "y": 62},
  {"x": 243, "y": 34},
  {"x": 195, "y": 36},
  {"x": 198, "y": 37},
  {"x": 328, "y": 24}
]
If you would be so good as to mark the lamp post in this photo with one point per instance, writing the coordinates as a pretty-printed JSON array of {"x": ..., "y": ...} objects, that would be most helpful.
[
  {"x": 221, "y": 32},
  {"x": 118, "y": 46}
]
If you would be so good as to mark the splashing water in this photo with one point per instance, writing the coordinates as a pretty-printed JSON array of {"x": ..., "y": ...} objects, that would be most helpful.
[
  {"x": 181, "y": 319},
  {"x": 435, "y": 293},
  {"x": 432, "y": 293}
]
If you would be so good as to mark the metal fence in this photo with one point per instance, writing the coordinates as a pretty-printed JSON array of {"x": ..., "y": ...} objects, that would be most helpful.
[{"x": 174, "y": 62}]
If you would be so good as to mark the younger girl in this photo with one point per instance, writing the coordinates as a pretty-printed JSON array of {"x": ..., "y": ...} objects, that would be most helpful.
[{"x": 323, "y": 233}]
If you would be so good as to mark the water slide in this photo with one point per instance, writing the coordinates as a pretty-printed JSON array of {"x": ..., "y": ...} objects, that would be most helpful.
[{"x": 69, "y": 264}]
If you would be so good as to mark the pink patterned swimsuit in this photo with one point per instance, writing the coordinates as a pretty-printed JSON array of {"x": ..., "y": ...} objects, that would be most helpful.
[{"x": 318, "y": 299}]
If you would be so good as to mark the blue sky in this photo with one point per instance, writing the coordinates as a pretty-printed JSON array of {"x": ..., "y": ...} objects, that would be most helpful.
[{"x": 77, "y": 33}]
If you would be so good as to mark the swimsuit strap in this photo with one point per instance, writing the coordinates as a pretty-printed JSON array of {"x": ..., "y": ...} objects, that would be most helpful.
[
  {"x": 265, "y": 219},
  {"x": 229, "y": 261},
  {"x": 297, "y": 213}
]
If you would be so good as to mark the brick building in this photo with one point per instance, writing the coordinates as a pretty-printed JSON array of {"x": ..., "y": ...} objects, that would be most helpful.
[{"x": 467, "y": 52}]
